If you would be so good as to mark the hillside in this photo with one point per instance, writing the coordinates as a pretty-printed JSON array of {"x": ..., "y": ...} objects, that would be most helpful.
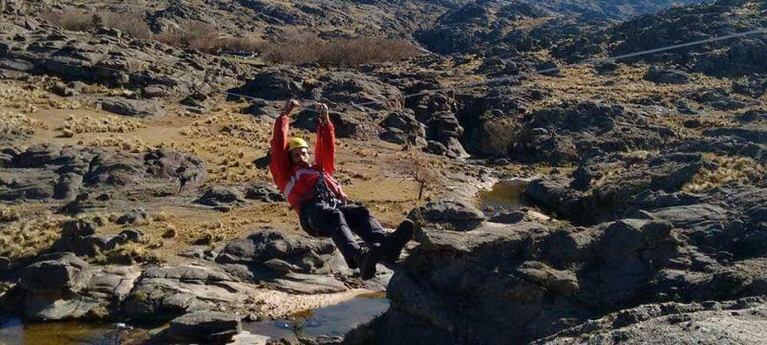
[{"x": 601, "y": 202}]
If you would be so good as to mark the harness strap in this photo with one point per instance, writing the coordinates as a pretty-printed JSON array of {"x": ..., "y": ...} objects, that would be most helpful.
[
  {"x": 320, "y": 191},
  {"x": 296, "y": 177}
]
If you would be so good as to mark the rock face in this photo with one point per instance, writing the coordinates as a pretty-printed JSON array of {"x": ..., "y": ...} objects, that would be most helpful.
[
  {"x": 109, "y": 58},
  {"x": 667, "y": 323},
  {"x": 63, "y": 286},
  {"x": 480, "y": 24},
  {"x": 83, "y": 175},
  {"x": 278, "y": 251},
  {"x": 456, "y": 215},
  {"x": 576, "y": 131},
  {"x": 593, "y": 195},
  {"x": 285, "y": 262},
  {"x": 164, "y": 292},
  {"x": 691, "y": 23},
  {"x": 644, "y": 244}
]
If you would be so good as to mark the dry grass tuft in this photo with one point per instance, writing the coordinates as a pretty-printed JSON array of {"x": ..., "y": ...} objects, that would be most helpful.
[
  {"x": 28, "y": 99},
  {"x": 26, "y": 238},
  {"x": 128, "y": 254},
  {"x": 13, "y": 123},
  {"x": 726, "y": 169},
  {"x": 9, "y": 215},
  {"x": 110, "y": 124},
  {"x": 128, "y": 144}
]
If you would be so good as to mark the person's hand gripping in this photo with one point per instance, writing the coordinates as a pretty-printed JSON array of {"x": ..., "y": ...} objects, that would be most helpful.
[
  {"x": 324, "y": 115},
  {"x": 289, "y": 106}
]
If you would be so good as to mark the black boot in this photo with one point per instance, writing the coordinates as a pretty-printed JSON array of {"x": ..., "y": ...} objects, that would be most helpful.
[
  {"x": 397, "y": 240},
  {"x": 367, "y": 260}
]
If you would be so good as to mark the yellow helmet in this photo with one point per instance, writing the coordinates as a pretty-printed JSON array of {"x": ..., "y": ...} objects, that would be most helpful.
[{"x": 295, "y": 143}]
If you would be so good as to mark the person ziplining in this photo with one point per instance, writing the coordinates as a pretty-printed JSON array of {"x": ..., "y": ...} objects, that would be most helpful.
[{"x": 324, "y": 210}]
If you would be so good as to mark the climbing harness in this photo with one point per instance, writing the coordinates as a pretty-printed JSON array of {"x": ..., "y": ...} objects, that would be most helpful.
[{"x": 322, "y": 192}]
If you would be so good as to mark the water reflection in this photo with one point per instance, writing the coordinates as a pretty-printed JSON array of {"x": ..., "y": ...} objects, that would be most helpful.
[
  {"x": 506, "y": 196},
  {"x": 13, "y": 331},
  {"x": 335, "y": 320}
]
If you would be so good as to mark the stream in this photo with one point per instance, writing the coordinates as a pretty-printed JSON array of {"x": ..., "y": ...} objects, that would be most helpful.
[{"x": 334, "y": 320}]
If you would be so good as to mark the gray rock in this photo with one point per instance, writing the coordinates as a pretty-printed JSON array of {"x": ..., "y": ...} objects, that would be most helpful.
[
  {"x": 454, "y": 215},
  {"x": 718, "y": 99},
  {"x": 670, "y": 323},
  {"x": 436, "y": 148},
  {"x": 58, "y": 272},
  {"x": 165, "y": 292},
  {"x": 68, "y": 186},
  {"x": 578, "y": 131},
  {"x": 666, "y": 76},
  {"x": 132, "y": 107},
  {"x": 133, "y": 217},
  {"x": 263, "y": 192},
  {"x": 116, "y": 169},
  {"x": 281, "y": 253},
  {"x": 753, "y": 135},
  {"x": 78, "y": 228},
  {"x": 401, "y": 127},
  {"x": 204, "y": 327},
  {"x": 306, "y": 284},
  {"x": 219, "y": 196},
  {"x": 508, "y": 217},
  {"x": 65, "y": 287}
]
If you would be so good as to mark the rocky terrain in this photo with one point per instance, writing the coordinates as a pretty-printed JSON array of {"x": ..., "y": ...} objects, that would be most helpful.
[{"x": 629, "y": 197}]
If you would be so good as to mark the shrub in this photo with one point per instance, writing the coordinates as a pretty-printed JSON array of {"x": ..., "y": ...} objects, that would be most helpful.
[
  {"x": 78, "y": 20},
  {"x": 72, "y": 19},
  {"x": 300, "y": 49},
  {"x": 130, "y": 23},
  {"x": 243, "y": 44},
  {"x": 192, "y": 34}
]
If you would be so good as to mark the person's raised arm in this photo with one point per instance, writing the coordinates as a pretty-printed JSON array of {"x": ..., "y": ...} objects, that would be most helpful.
[
  {"x": 325, "y": 150},
  {"x": 279, "y": 165}
]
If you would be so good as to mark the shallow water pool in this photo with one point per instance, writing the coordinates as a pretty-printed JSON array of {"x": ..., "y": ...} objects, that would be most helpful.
[
  {"x": 335, "y": 320},
  {"x": 13, "y": 331},
  {"x": 505, "y": 196}
]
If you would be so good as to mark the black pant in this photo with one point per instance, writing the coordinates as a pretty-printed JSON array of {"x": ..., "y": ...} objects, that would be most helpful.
[{"x": 320, "y": 218}]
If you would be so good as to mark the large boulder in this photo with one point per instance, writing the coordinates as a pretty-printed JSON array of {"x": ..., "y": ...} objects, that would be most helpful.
[
  {"x": 62, "y": 286},
  {"x": 280, "y": 252},
  {"x": 79, "y": 237},
  {"x": 165, "y": 292},
  {"x": 448, "y": 214},
  {"x": 524, "y": 281},
  {"x": 55, "y": 272},
  {"x": 204, "y": 327}
]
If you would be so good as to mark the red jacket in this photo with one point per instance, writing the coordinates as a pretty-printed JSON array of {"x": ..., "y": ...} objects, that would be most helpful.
[{"x": 298, "y": 183}]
